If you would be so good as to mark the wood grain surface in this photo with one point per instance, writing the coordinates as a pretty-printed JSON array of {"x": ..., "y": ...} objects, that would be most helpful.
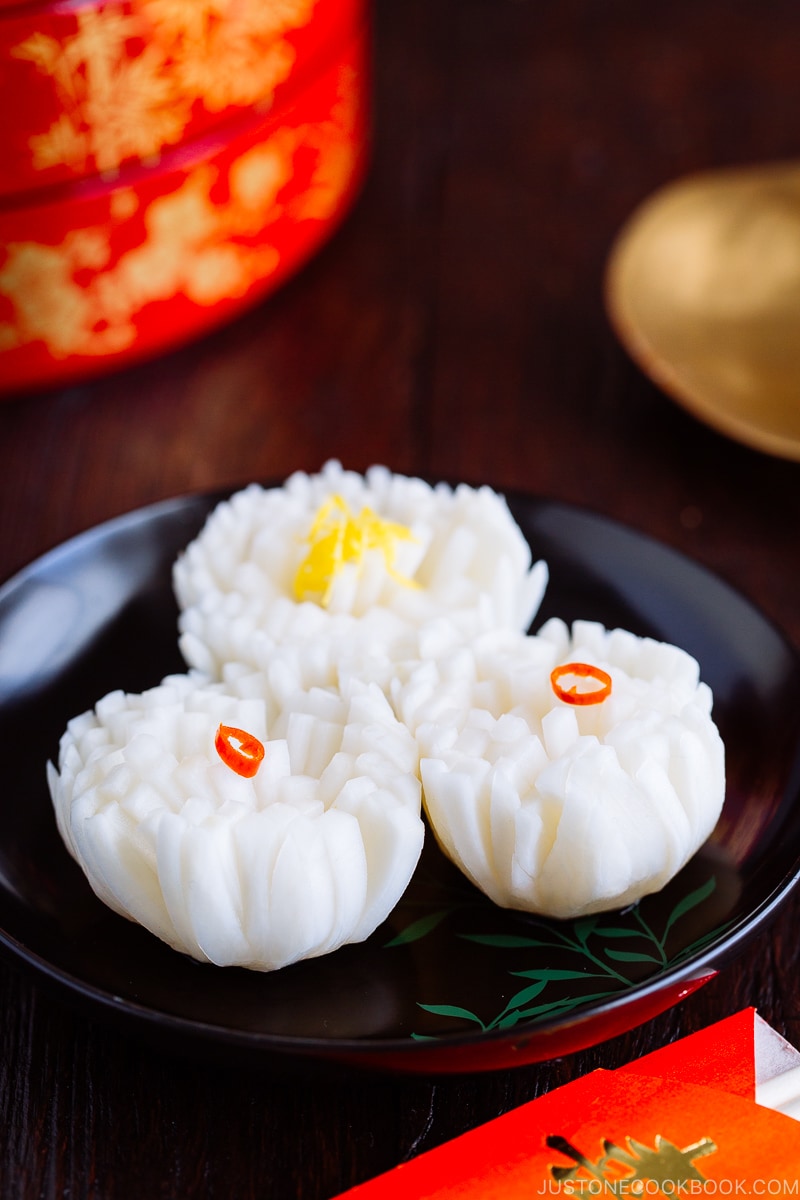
[{"x": 453, "y": 327}]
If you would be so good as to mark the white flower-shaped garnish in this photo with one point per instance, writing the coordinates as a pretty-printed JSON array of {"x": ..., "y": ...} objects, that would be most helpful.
[
  {"x": 243, "y": 824},
  {"x": 558, "y": 807},
  {"x": 365, "y": 558}
]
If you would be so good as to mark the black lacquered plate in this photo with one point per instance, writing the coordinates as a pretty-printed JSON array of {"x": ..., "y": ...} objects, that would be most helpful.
[{"x": 450, "y": 982}]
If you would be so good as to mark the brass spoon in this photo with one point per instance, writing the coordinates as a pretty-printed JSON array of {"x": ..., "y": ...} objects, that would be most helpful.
[{"x": 703, "y": 290}]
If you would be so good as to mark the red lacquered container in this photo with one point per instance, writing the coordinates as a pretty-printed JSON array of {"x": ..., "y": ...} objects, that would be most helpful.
[{"x": 219, "y": 168}]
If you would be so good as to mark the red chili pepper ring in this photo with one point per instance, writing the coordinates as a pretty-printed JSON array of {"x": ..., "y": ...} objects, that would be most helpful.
[
  {"x": 581, "y": 670},
  {"x": 239, "y": 750}
]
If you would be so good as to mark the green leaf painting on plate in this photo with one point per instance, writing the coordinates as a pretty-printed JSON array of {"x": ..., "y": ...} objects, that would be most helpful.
[{"x": 559, "y": 966}]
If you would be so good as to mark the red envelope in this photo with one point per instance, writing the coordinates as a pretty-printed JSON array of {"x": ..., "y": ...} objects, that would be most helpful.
[{"x": 680, "y": 1121}]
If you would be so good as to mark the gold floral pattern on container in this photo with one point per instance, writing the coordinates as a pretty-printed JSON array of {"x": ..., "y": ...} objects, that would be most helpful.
[
  {"x": 76, "y": 300},
  {"x": 129, "y": 77}
]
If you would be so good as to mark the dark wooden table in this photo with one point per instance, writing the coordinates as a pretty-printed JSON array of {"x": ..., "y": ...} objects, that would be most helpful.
[{"x": 454, "y": 327}]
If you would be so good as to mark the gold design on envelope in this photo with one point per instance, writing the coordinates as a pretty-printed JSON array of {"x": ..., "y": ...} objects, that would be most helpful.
[
  {"x": 77, "y": 300},
  {"x": 130, "y": 76},
  {"x": 663, "y": 1164}
]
